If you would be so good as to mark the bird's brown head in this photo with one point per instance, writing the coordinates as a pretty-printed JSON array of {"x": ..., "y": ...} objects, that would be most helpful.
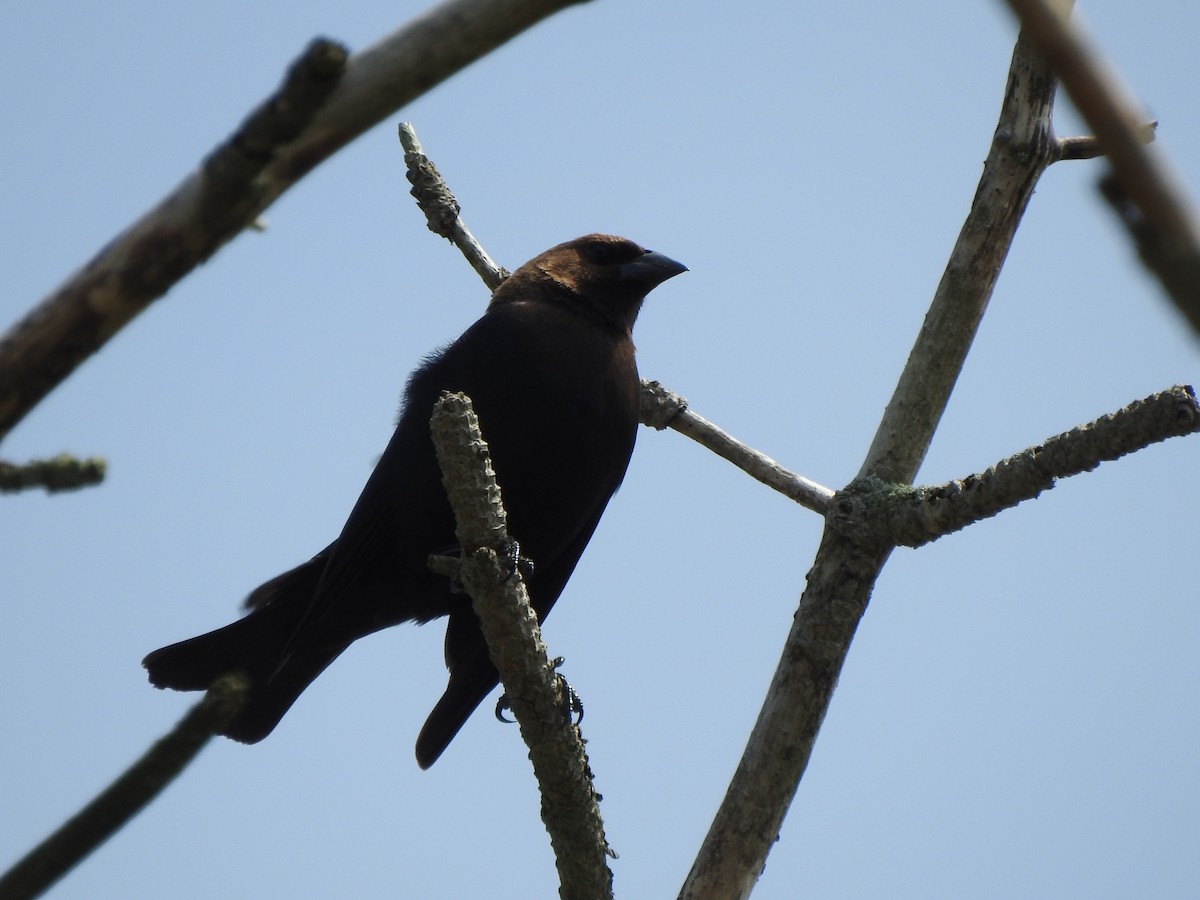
[{"x": 600, "y": 275}]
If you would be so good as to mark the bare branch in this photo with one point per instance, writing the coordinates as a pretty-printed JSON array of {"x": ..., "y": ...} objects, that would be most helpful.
[
  {"x": 442, "y": 210},
  {"x": 570, "y": 804},
  {"x": 1166, "y": 228},
  {"x": 321, "y": 107},
  {"x": 1022, "y": 148},
  {"x": 840, "y": 582},
  {"x": 874, "y": 511},
  {"x": 662, "y": 408},
  {"x": 1089, "y": 147},
  {"x": 127, "y": 796},
  {"x": 59, "y": 473}
]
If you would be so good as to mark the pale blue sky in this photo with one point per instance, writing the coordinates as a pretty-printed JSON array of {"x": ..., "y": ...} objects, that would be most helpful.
[{"x": 1017, "y": 717}]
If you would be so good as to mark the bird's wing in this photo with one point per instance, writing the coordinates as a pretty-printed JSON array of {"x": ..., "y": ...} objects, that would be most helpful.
[{"x": 368, "y": 534}]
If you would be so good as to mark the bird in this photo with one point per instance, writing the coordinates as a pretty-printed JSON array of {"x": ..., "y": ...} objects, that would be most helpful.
[{"x": 551, "y": 371}]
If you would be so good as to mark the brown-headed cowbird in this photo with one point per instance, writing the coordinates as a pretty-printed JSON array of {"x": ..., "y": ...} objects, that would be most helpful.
[{"x": 550, "y": 369}]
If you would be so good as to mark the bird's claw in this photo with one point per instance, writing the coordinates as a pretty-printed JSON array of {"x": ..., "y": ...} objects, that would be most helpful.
[
  {"x": 510, "y": 553},
  {"x": 572, "y": 705},
  {"x": 502, "y": 707}
]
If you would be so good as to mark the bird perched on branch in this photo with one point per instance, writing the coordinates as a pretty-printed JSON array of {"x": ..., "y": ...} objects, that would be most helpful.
[{"x": 550, "y": 369}]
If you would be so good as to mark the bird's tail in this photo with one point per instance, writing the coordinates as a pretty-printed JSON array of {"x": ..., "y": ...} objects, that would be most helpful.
[
  {"x": 469, "y": 684},
  {"x": 253, "y": 646}
]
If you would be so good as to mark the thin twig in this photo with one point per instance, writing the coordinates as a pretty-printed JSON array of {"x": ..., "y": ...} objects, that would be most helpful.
[
  {"x": 59, "y": 473},
  {"x": 1089, "y": 147},
  {"x": 662, "y": 408},
  {"x": 570, "y": 804},
  {"x": 127, "y": 796},
  {"x": 442, "y": 210}
]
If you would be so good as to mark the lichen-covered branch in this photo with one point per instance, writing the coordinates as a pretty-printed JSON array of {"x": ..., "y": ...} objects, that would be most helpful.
[
  {"x": 570, "y": 804},
  {"x": 873, "y": 511},
  {"x": 59, "y": 473}
]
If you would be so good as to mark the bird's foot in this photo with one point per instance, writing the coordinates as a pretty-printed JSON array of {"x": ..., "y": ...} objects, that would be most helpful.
[
  {"x": 572, "y": 705},
  {"x": 510, "y": 553}
]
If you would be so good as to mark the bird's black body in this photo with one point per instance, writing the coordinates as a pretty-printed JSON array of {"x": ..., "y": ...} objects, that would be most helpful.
[{"x": 550, "y": 370}]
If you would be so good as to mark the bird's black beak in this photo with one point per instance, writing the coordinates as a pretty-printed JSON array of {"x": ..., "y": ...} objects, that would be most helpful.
[{"x": 651, "y": 269}]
